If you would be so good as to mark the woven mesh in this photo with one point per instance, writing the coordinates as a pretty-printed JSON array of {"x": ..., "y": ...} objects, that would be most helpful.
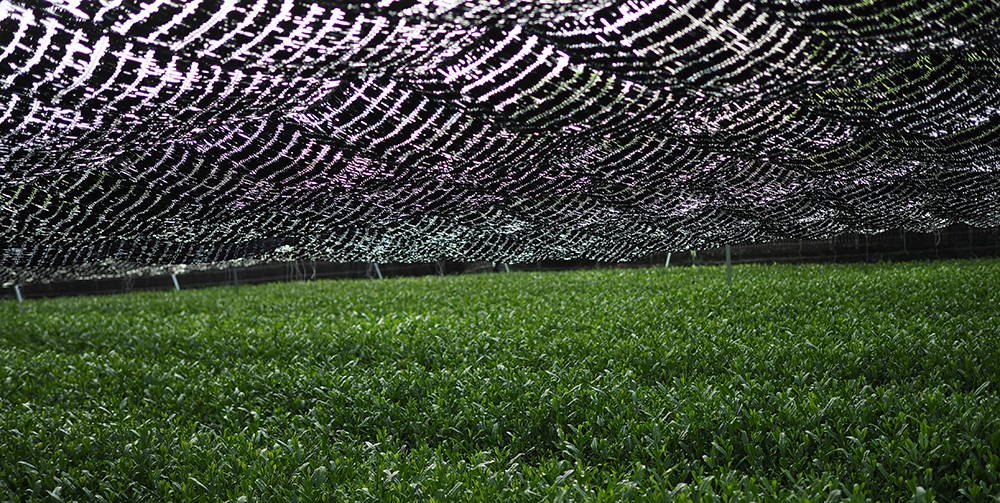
[{"x": 145, "y": 133}]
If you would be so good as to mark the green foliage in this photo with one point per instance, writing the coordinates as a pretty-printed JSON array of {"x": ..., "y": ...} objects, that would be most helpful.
[{"x": 796, "y": 383}]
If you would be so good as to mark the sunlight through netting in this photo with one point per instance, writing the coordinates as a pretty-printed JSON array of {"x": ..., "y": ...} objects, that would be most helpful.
[{"x": 147, "y": 133}]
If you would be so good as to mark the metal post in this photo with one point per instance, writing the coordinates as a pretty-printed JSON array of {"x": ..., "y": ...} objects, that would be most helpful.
[
  {"x": 506, "y": 268},
  {"x": 667, "y": 264},
  {"x": 17, "y": 293},
  {"x": 378, "y": 272},
  {"x": 177, "y": 284},
  {"x": 729, "y": 264}
]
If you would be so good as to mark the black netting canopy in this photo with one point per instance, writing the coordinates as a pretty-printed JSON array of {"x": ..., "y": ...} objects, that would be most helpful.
[{"x": 144, "y": 133}]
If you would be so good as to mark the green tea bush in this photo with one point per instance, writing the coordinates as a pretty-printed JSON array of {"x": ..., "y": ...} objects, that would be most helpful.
[{"x": 795, "y": 383}]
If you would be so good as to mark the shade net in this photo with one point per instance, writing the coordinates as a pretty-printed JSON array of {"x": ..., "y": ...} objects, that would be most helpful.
[{"x": 141, "y": 134}]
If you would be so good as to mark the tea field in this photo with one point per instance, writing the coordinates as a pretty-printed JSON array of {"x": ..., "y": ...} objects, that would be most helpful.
[{"x": 795, "y": 383}]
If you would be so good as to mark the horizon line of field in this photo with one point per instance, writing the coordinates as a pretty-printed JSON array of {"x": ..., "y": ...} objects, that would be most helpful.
[{"x": 239, "y": 277}]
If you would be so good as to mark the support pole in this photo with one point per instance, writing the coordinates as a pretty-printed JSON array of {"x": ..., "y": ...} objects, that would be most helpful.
[
  {"x": 177, "y": 284},
  {"x": 506, "y": 267},
  {"x": 729, "y": 264},
  {"x": 667, "y": 264},
  {"x": 17, "y": 293},
  {"x": 378, "y": 271}
]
